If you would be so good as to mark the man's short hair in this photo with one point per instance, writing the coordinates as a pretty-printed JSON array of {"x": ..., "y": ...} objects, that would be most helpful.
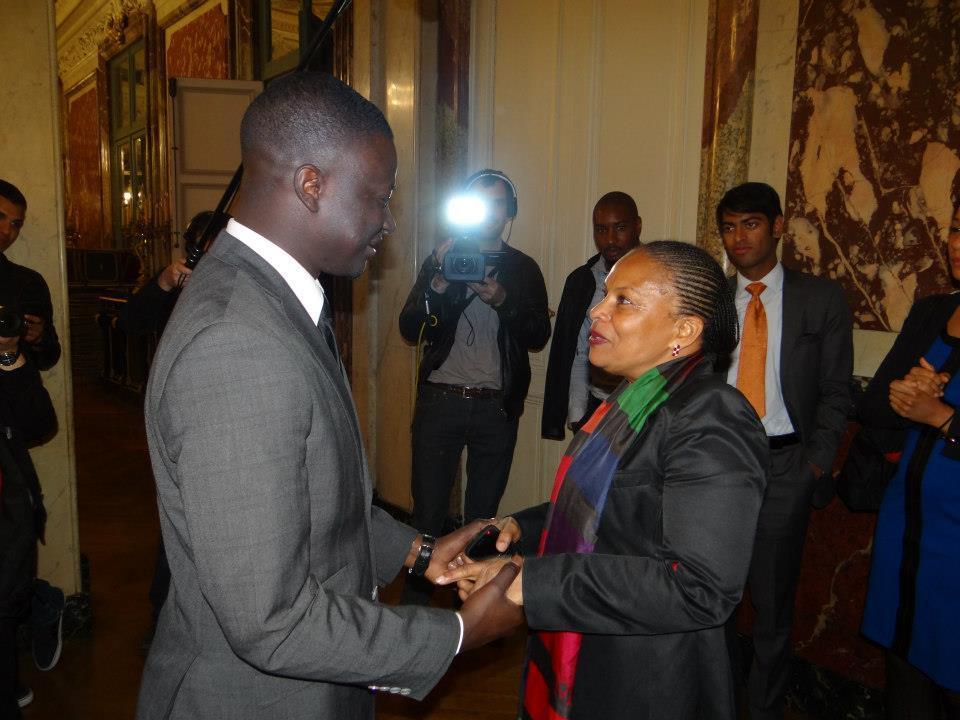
[
  {"x": 12, "y": 193},
  {"x": 309, "y": 117},
  {"x": 618, "y": 197},
  {"x": 750, "y": 197}
]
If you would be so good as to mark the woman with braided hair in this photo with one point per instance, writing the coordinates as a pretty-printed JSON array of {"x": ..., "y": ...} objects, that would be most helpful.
[{"x": 631, "y": 570}]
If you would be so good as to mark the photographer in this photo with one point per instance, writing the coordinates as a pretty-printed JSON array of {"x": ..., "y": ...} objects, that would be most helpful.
[
  {"x": 149, "y": 308},
  {"x": 23, "y": 291},
  {"x": 475, "y": 371},
  {"x": 26, "y": 417}
]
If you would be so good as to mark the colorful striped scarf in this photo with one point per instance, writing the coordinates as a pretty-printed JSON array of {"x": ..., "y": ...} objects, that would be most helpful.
[{"x": 579, "y": 494}]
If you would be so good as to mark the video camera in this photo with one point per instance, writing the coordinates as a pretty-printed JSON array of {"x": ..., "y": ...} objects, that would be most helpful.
[
  {"x": 11, "y": 322},
  {"x": 464, "y": 261}
]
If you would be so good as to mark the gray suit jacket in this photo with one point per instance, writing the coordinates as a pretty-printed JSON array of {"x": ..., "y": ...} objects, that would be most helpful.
[{"x": 265, "y": 505}]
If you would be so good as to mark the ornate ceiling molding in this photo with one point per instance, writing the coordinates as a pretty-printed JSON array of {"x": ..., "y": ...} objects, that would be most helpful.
[{"x": 82, "y": 27}]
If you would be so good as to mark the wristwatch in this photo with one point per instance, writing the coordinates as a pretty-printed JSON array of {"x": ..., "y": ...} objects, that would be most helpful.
[
  {"x": 9, "y": 358},
  {"x": 424, "y": 554}
]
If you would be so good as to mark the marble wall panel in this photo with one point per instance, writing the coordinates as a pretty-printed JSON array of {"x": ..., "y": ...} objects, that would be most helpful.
[
  {"x": 84, "y": 183},
  {"x": 200, "y": 48},
  {"x": 875, "y": 150}
]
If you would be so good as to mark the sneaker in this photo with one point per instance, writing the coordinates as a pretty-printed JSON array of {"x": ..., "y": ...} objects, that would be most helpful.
[
  {"x": 46, "y": 625},
  {"x": 47, "y": 643},
  {"x": 24, "y": 696}
]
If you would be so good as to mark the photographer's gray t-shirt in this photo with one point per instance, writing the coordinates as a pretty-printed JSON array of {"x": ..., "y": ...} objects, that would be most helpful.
[{"x": 474, "y": 359}]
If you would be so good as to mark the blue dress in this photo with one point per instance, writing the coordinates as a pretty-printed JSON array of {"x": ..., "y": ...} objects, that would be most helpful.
[{"x": 933, "y": 636}]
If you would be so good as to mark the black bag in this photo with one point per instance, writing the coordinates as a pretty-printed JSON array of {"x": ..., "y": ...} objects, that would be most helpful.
[{"x": 866, "y": 472}]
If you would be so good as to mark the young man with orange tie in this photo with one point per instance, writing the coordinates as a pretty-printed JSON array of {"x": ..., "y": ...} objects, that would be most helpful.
[{"x": 794, "y": 364}]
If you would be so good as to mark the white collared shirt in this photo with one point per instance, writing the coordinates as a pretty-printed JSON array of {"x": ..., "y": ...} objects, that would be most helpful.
[
  {"x": 777, "y": 420},
  {"x": 306, "y": 288}
]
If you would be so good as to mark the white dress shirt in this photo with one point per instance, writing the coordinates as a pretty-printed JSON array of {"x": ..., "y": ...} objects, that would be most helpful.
[
  {"x": 777, "y": 420},
  {"x": 306, "y": 288}
]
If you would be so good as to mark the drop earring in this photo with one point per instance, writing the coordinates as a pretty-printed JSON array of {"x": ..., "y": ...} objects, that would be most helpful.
[{"x": 675, "y": 350}]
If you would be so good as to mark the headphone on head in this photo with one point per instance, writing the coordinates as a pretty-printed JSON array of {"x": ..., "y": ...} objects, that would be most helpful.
[{"x": 499, "y": 175}]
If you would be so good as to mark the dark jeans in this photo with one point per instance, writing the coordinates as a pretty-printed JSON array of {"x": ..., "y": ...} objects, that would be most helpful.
[
  {"x": 443, "y": 425},
  {"x": 912, "y": 695}
]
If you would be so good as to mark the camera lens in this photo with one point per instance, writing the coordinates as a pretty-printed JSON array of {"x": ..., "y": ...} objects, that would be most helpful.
[
  {"x": 10, "y": 323},
  {"x": 465, "y": 265}
]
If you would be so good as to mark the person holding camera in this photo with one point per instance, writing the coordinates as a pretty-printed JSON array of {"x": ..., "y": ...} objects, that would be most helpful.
[
  {"x": 24, "y": 295},
  {"x": 475, "y": 370}
]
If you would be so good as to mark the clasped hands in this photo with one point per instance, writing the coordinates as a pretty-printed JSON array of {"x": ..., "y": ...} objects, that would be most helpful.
[
  {"x": 917, "y": 396},
  {"x": 490, "y": 590}
]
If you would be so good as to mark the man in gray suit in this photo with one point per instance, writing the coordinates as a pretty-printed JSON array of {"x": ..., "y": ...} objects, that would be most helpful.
[
  {"x": 265, "y": 496},
  {"x": 794, "y": 364}
]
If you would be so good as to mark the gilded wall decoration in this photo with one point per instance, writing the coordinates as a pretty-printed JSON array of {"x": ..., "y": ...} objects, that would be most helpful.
[
  {"x": 84, "y": 183},
  {"x": 875, "y": 150},
  {"x": 200, "y": 49}
]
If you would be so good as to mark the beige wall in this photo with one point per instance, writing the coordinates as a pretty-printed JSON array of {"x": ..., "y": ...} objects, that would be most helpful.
[
  {"x": 30, "y": 138},
  {"x": 571, "y": 99}
]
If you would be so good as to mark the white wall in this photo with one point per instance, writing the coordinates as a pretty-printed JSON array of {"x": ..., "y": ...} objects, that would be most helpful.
[{"x": 573, "y": 99}]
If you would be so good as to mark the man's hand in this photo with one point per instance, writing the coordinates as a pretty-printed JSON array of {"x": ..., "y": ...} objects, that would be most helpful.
[
  {"x": 451, "y": 545},
  {"x": 488, "y": 614},
  {"x": 174, "y": 275},
  {"x": 35, "y": 326},
  {"x": 490, "y": 291},
  {"x": 437, "y": 282}
]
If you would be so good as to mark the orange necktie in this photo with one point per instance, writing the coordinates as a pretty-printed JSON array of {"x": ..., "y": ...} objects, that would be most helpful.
[{"x": 753, "y": 351}]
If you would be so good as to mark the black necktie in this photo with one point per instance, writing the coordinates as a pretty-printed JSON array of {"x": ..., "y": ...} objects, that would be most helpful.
[{"x": 326, "y": 327}]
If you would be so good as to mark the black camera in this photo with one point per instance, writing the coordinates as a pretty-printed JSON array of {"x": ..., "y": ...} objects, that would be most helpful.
[
  {"x": 11, "y": 322},
  {"x": 465, "y": 263}
]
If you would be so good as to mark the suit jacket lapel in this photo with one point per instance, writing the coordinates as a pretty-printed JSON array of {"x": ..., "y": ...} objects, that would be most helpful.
[
  {"x": 792, "y": 313},
  {"x": 235, "y": 253}
]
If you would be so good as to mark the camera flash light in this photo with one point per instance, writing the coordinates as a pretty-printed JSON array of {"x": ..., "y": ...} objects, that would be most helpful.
[{"x": 466, "y": 211}]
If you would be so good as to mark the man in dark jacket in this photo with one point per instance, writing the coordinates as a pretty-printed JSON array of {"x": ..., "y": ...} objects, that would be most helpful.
[
  {"x": 475, "y": 371},
  {"x": 23, "y": 290},
  {"x": 574, "y": 388},
  {"x": 26, "y": 417}
]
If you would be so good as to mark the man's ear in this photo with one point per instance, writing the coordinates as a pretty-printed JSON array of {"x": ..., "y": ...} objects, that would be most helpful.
[
  {"x": 639, "y": 226},
  {"x": 778, "y": 226},
  {"x": 689, "y": 329},
  {"x": 309, "y": 183}
]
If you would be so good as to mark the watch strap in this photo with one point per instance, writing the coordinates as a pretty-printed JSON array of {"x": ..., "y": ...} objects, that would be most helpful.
[{"x": 424, "y": 554}]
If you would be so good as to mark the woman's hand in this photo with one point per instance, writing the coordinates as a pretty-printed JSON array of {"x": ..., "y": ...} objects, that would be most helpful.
[
  {"x": 913, "y": 402},
  {"x": 470, "y": 576},
  {"x": 927, "y": 378}
]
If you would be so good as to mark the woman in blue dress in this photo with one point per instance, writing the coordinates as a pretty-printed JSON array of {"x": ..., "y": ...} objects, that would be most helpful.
[{"x": 913, "y": 600}]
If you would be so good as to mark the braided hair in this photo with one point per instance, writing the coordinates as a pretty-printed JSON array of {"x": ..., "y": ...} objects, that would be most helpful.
[{"x": 702, "y": 290}]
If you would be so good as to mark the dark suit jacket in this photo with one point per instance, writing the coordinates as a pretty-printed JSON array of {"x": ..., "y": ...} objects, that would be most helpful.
[
  {"x": 671, "y": 559},
  {"x": 578, "y": 291},
  {"x": 265, "y": 505},
  {"x": 816, "y": 362}
]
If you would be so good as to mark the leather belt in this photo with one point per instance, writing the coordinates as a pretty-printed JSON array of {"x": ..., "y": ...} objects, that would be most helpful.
[
  {"x": 469, "y": 393},
  {"x": 778, "y": 442}
]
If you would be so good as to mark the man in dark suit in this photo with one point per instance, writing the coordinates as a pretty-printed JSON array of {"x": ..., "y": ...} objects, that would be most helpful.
[
  {"x": 794, "y": 364},
  {"x": 275, "y": 551},
  {"x": 574, "y": 387}
]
